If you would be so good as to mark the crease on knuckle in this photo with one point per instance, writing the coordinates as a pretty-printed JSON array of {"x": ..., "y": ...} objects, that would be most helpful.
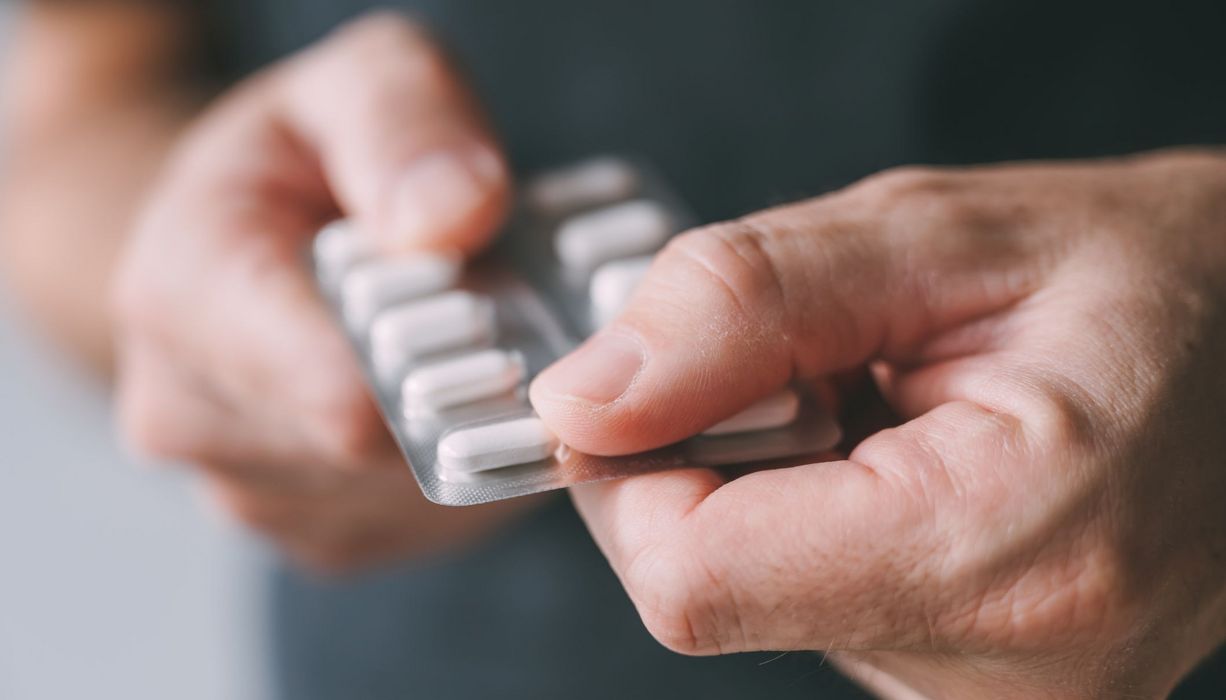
[
  {"x": 736, "y": 260},
  {"x": 905, "y": 182},
  {"x": 910, "y": 463},
  {"x": 1058, "y": 419},
  {"x": 674, "y": 604},
  {"x": 1053, "y": 414},
  {"x": 933, "y": 210}
]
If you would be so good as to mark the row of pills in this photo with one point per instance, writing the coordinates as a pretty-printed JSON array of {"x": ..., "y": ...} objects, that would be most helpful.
[
  {"x": 435, "y": 340},
  {"x": 433, "y": 336}
]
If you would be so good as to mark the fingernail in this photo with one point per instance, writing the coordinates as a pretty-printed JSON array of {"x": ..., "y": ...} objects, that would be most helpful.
[
  {"x": 600, "y": 371},
  {"x": 441, "y": 189}
]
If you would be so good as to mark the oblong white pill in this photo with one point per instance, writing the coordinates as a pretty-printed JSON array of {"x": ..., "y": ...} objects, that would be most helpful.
[
  {"x": 441, "y": 322},
  {"x": 375, "y": 285},
  {"x": 472, "y": 377},
  {"x": 586, "y": 241},
  {"x": 612, "y": 285},
  {"x": 774, "y": 411},
  {"x": 338, "y": 248},
  {"x": 496, "y": 445},
  {"x": 596, "y": 181}
]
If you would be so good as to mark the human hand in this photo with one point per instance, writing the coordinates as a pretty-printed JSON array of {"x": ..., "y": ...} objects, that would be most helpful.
[
  {"x": 228, "y": 357},
  {"x": 1048, "y": 521}
]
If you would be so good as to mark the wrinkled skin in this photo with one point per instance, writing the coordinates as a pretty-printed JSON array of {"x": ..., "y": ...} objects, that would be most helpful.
[{"x": 1046, "y": 522}]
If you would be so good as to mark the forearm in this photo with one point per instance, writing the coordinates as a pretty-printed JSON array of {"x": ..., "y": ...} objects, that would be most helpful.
[
  {"x": 91, "y": 108},
  {"x": 65, "y": 209}
]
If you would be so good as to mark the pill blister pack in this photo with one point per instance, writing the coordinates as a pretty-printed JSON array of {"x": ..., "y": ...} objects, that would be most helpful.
[{"x": 449, "y": 347}]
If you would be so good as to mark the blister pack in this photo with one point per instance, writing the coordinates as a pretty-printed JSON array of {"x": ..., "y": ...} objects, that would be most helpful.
[{"x": 449, "y": 347}]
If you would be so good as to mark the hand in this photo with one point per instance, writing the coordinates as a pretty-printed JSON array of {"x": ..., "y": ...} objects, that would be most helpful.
[
  {"x": 229, "y": 359},
  {"x": 1048, "y": 522}
]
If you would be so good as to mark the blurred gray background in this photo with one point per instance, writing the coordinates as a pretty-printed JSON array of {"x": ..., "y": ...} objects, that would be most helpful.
[{"x": 115, "y": 582}]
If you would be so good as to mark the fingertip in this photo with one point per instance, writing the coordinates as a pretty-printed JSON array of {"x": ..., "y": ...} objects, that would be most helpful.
[
  {"x": 576, "y": 422},
  {"x": 600, "y": 372},
  {"x": 579, "y": 395},
  {"x": 447, "y": 197}
]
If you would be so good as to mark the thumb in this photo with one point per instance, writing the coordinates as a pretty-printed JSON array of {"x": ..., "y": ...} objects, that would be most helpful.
[
  {"x": 732, "y": 312},
  {"x": 401, "y": 140}
]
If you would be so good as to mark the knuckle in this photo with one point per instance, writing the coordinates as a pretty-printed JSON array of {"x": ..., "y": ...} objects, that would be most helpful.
[
  {"x": 674, "y": 604},
  {"x": 1200, "y": 161},
  {"x": 1058, "y": 419},
  {"x": 905, "y": 182},
  {"x": 953, "y": 214},
  {"x": 934, "y": 210},
  {"x": 906, "y": 458},
  {"x": 921, "y": 193},
  {"x": 1054, "y": 414},
  {"x": 734, "y": 260}
]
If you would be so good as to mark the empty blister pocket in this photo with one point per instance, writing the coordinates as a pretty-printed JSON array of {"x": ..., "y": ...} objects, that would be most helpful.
[{"x": 449, "y": 349}]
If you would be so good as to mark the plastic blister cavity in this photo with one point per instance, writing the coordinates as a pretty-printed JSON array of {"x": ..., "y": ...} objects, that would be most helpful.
[{"x": 449, "y": 349}]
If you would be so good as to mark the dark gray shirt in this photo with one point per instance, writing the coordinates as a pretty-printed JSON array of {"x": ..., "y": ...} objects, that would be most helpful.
[{"x": 748, "y": 102}]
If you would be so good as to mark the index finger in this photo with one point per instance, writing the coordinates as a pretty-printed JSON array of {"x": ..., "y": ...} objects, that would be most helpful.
[
  {"x": 839, "y": 554},
  {"x": 399, "y": 137}
]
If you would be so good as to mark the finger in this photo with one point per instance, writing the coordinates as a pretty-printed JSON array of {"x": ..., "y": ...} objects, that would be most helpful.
[
  {"x": 846, "y": 552},
  {"x": 166, "y": 414},
  {"x": 402, "y": 141},
  {"x": 731, "y": 312},
  {"x": 227, "y": 300},
  {"x": 270, "y": 343}
]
